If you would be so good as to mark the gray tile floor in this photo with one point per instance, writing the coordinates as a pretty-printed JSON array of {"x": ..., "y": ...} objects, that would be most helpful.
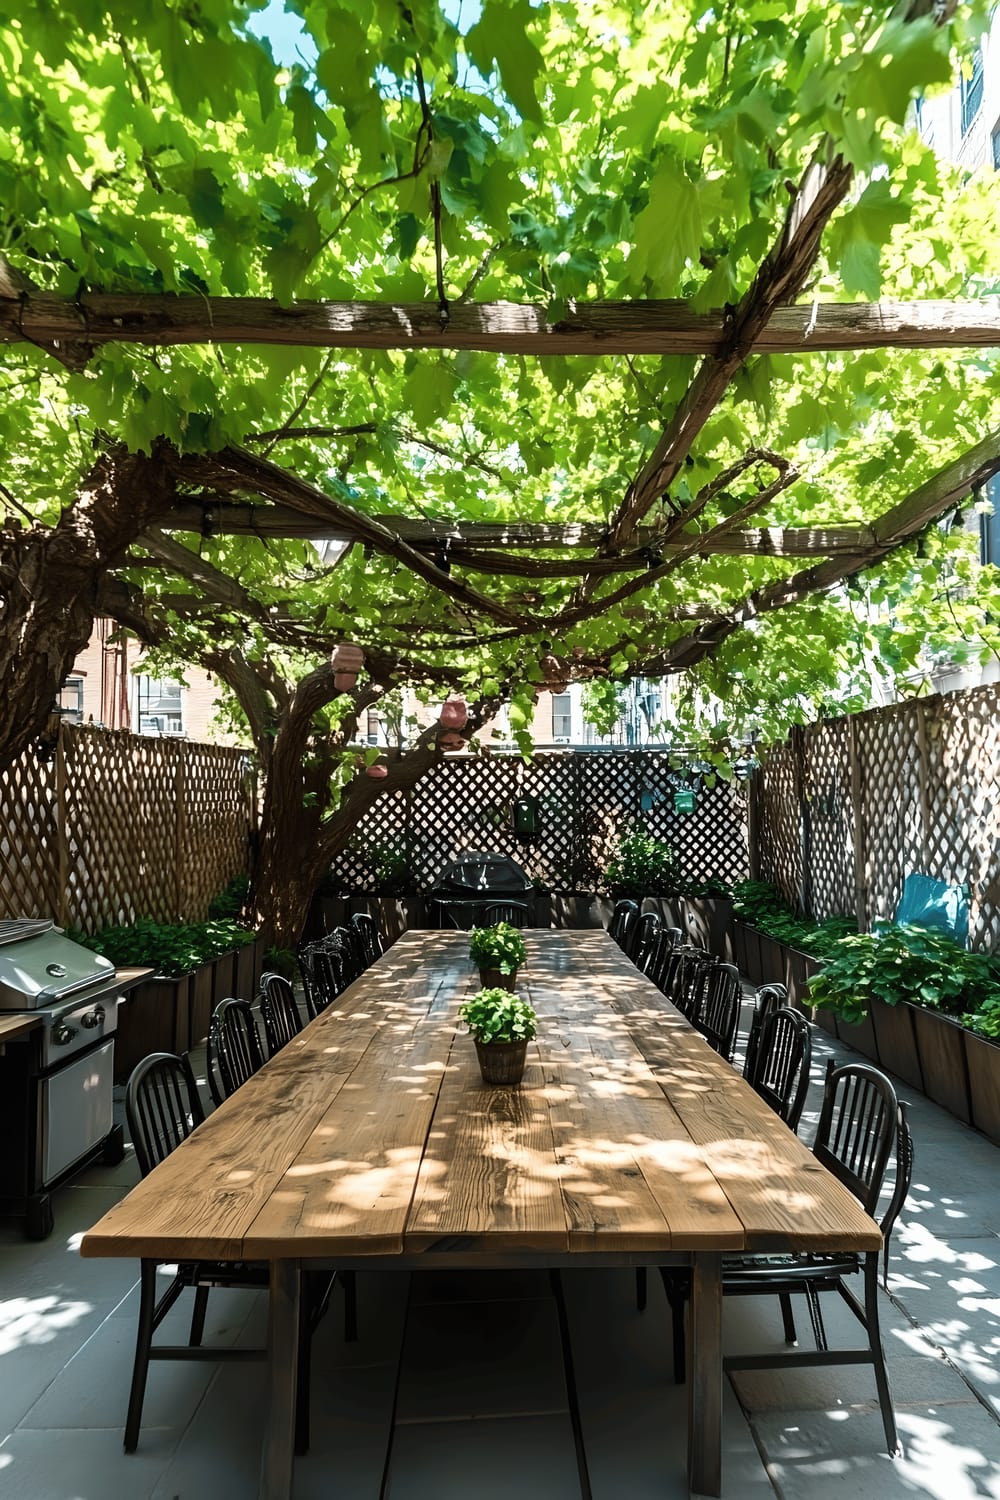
[{"x": 456, "y": 1387}]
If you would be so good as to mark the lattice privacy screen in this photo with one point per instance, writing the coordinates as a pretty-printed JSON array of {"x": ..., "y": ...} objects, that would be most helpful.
[
  {"x": 870, "y": 798},
  {"x": 583, "y": 802},
  {"x": 117, "y": 826}
]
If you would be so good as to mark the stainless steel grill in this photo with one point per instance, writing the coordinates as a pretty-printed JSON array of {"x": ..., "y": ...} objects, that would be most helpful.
[
  {"x": 474, "y": 879},
  {"x": 56, "y": 1072}
]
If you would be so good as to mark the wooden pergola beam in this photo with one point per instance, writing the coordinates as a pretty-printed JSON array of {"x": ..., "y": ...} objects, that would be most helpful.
[
  {"x": 472, "y": 543},
  {"x": 596, "y": 328}
]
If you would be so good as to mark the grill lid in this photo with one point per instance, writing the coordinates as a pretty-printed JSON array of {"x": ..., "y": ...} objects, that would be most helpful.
[
  {"x": 39, "y": 965},
  {"x": 476, "y": 871}
]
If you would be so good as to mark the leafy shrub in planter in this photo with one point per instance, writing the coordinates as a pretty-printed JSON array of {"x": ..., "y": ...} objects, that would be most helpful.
[
  {"x": 172, "y": 949},
  {"x": 231, "y": 901},
  {"x": 498, "y": 1016},
  {"x": 499, "y": 947},
  {"x": 763, "y": 907},
  {"x": 641, "y": 865},
  {"x": 919, "y": 964},
  {"x": 986, "y": 1020}
]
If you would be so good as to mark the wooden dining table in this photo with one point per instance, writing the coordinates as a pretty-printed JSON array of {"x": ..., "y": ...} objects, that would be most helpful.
[{"x": 370, "y": 1141}]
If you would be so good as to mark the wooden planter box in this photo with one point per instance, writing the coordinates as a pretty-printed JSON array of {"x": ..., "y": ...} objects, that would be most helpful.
[
  {"x": 982, "y": 1059},
  {"x": 748, "y": 941},
  {"x": 860, "y": 1035},
  {"x": 772, "y": 960},
  {"x": 708, "y": 923},
  {"x": 799, "y": 969},
  {"x": 942, "y": 1053},
  {"x": 896, "y": 1040},
  {"x": 153, "y": 1017},
  {"x": 199, "y": 1003},
  {"x": 224, "y": 976}
]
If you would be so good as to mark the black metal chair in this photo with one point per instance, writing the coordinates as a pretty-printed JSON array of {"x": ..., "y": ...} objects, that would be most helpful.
[
  {"x": 718, "y": 1014},
  {"x": 345, "y": 945},
  {"x": 687, "y": 979},
  {"x": 370, "y": 938},
  {"x": 862, "y": 1127},
  {"x": 162, "y": 1109},
  {"x": 645, "y": 932},
  {"x": 279, "y": 1012},
  {"x": 767, "y": 999},
  {"x": 234, "y": 1044},
  {"x": 781, "y": 1063},
  {"x": 514, "y": 912},
  {"x": 625, "y": 914},
  {"x": 322, "y": 968},
  {"x": 657, "y": 955}
]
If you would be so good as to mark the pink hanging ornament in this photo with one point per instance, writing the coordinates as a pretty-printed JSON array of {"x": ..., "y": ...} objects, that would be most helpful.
[
  {"x": 377, "y": 772},
  {"x": 451, "y": 741},
  {"x": 454, "y": 713},
  {"x": 347, "y": 661},
  {"x": 555, "y": 678}
]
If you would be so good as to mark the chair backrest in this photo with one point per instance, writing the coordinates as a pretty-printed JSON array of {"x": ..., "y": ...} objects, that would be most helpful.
[
  {"x": 344, "y": 944},
  {"x": 279, "y": 1012},
  {"x": 689, "y": 974},
  {"x": 655, "y": 960},
  {"x": 625, "y": 914},
  {"x": 371, "y": 939},
  {"x": 781, "y": 1064},
  {"x": 767, "y": 998},
  {"x": 858, "y": 1129},
  {"x": 514, "y": 912},
  {"x": 718, "y": 1015},
  {"x": 235, "y": 1043},
  {"x": 644, "y": 936},
  {"x": 162, "y": 1107}
]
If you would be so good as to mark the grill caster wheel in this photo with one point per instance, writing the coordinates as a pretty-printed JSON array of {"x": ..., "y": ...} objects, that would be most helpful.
[
  {"x": 113, "y": 1150},
  {"x": 38, "y": 1217}
]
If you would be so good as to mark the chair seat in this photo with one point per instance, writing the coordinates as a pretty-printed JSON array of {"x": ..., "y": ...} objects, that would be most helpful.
[{"x": 759, "y": 1269}]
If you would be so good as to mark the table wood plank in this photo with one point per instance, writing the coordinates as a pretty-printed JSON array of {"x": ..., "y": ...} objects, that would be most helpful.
[{"x": 203, "y": 1200}]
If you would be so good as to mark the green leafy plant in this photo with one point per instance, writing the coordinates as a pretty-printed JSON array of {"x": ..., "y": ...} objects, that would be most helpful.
[
  {"x": 389, "y": 862},
  {"x": 231, "y": 900},
  {"x": 499, "y": 947},
  {"x": 762, "y": 906},
  {"x": 495, "y": 1015},
  {"x": 172, "y": 949},
  {"x": 905, "y": 962},
  {"x": 641, "y": 865},
  {"x": 986, "y": 1020}
]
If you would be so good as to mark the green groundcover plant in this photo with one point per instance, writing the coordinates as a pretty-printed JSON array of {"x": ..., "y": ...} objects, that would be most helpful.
[
  {"x": 761, "y": 905},
  {"x": 906, "y": 962},
  {"x": 495, "y": 1015},
  {"x": 172, "y": 948},
  {"x": 498, "y": 947}
]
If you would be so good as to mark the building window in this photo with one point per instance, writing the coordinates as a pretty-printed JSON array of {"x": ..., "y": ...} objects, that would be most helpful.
[
  {"x": 996, "y": 149},
  {"x": 562, "y": 709},
  {"x": 372, "y": 728},
  {"x": 160, "y": 708},
  {"x": 71, "y": 700},
  {"x": 972, "y": 91}
]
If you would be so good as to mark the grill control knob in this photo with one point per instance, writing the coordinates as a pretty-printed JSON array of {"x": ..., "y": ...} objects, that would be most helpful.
[
  {"x": 56, "y": 971},
  {"x": 93, "y": 1017},
  {"x": 62, "y": 1034}
]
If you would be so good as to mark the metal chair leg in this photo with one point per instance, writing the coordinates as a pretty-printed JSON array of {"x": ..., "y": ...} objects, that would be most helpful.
[
  {"x": 677, "y": 1295},
  {"x": 198, "y": 1316},
  {"x": 641, "y": 1288},
  {"x": 787, "y": 1318}
]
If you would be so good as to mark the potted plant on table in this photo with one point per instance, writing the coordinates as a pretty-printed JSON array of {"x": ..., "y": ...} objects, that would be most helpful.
[
  {"x": 502, "y": 1025},
  {"x": 498, "y": 952}
]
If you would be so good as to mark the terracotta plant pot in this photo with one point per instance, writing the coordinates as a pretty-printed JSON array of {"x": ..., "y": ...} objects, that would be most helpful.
[
  {"x": 502, "y": 1062},
  {"x": 494, "y": 979}
]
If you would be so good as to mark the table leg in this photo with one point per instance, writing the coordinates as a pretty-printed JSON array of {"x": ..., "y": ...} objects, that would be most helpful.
[
  {"x": 705, "y": 1376},
  {"x": 282, "y": 1359}
]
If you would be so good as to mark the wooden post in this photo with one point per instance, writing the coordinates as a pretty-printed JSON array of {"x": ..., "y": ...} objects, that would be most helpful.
[
  {"x": 924, "y": 785},
  {"x": 180, "y": 828},
  {"x": 857, "y": 811},
  {"x": 805, "y": 822},
  {"x": 62, "y": 839},
  {"x": 755, "y": 788}
]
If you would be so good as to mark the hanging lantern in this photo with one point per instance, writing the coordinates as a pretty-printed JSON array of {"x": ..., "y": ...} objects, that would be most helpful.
[
  {"x": 377, "y": 772},
  {"x": 347, "y": 661},
  {"x": 451, "y": 741},
  {"x": 555, "y": 677},
  {"x": 454, "y": 713},
  {"x": 684, "y": 800}
]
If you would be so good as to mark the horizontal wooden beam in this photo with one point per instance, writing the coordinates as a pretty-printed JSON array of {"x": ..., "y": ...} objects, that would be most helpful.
[
  {"x": 595, "y": 328},
  {"x": 472, "y": 544}
]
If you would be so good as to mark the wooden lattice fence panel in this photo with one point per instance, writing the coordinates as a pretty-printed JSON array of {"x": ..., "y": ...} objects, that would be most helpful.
[
  {"x": 29, "y": 838},
  {"x": 920, "y": 792},
  {"x": 118, "y": 826},
  {"x": 583, "y": 803},
  {"x": 827, "y": 791},
  {"x": 780, "y": 852}
]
